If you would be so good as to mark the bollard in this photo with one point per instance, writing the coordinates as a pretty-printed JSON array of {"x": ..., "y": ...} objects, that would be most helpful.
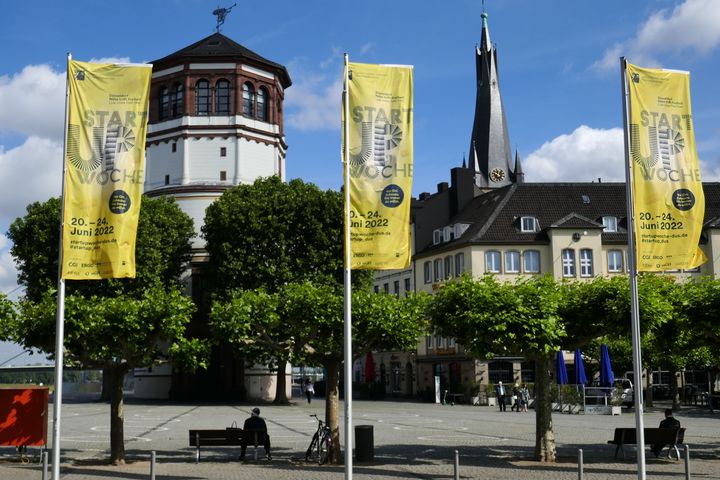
[
  {"x": 580, "y": 464},
  {"x": 44, "y": 465},
  {"x": 687, "y": 462},
  {"x": 457, "y": 465},
  {"x": 152, "y": 465}
]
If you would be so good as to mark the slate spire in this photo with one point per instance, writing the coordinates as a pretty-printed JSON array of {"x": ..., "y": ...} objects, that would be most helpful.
[{"x": 490, "y": 153}]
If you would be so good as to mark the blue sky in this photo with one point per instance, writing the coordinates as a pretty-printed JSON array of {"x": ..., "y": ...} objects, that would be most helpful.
[{"x": 558, "y": 61}]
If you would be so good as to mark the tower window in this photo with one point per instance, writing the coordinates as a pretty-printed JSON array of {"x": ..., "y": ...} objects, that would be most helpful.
[
  {"x": 202, "y": 97},
  {"x": 177, "y": 99},
  {"x": 222, "y": 97},
  {"x": 262, "y": 104},
  {"x": 223, "y": 175},
  {"x": 164, "y": 104},
  {"x": 167, "y": 179},
  {"x": 223, "y": 151},
  {"x": 174, "y": 147},
  {"x": 248, "y": 100}
]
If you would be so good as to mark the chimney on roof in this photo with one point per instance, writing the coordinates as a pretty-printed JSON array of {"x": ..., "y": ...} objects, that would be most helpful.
[
  {"x": 424, "y": 196},
  {"x": 442, "y": 187},
  {"x": 599, "y": 180}
]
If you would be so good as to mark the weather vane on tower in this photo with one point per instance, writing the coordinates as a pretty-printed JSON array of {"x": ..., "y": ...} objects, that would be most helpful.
[{"x": 221, "y": 13}]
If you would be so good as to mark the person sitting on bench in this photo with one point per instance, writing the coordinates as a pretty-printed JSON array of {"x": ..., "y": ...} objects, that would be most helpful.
[
  {"x": 255, "y": 422},
  {"x": 668, "y": 422}
]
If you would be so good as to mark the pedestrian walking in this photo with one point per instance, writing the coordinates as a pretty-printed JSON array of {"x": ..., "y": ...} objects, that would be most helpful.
[{"x": 309, "y": 389}]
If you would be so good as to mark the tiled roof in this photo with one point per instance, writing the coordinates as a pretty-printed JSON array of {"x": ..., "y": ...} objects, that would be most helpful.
[
  {"x": 221, "y": 47},
  {"x": 494, "y": 216}
]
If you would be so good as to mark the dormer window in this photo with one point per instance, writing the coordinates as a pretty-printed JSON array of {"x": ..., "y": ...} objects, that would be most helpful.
[
  {"x": 437, "y": 236},
  {"x": 528, "y": 224},
  {"x": 448, "y": 234},
  {"x": 609, "y": 224},
  {"x": 460, "y": 229}
]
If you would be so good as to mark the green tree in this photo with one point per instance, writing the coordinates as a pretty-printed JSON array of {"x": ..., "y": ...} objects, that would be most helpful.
[
  {"x": 311, "y": 317},
  {"x": 100, "y": 314},
  {"x": 489, "y": 317},
  {"x": 271, "y": 233},
  {"x": 7, "y": 318}
]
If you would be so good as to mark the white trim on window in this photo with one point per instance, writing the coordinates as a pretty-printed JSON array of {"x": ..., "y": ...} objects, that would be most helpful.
[
  {"x": 427, "y": 271},
  {"x": 615, "y": 261},
  {"x": 437, "y": 236},
  {"x": 512, "y": 261},
  {"x": 586, "y": 262},
  {"x": 493, "y": 262},
  {"x": 610, "y": 224},
  {"x": 568, "y": 262},
  {"x": 459, "y": 264},
  {"x": 529, "y": 224},
  {"x": 531, "y": 261}
]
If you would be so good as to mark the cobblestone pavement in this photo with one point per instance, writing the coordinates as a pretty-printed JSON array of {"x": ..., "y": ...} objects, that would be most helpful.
[{"x": 412, "y": 441}]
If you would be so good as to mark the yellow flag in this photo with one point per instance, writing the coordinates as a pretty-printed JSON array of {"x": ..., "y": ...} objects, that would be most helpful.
[
  {"x": 381, "y": 165},
  {"x": 104, "y": 166},
  {"x": 669, "y": 202}
]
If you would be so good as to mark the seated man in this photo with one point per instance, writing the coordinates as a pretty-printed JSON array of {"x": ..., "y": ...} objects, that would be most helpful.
[
  {"x": 668, "y": 422},
  {"x": 255, "y": 422}
]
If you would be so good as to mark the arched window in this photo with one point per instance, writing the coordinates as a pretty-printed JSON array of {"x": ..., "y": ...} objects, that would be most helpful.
[
  {"x": 262, "y": 104},
  {"x": 248, "y": 100},
  {"x": 177, "y": 98},
  {"x": 202, "y": 97},
  {"x": 222, "y": 97},
  {"x": 163, "y": 111}
]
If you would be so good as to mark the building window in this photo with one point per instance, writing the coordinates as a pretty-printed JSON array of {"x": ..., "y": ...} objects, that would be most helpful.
[
  {"x": 438, "y": 270},
  {"x": 492, "y": 262},
  {"x": 512, "y": 261},
  {"x": 428, "y": 342},
  {"x": 376, "y": 288},
  {"x": 174, "y": 147},
  {"x": 407, "y": 286},
  {"x": 202, "y": 97},
  {"x": 609, "y": 224},
  {"x": 501, "y": 371},
  {"x": 459, "y": 264},
  {"x": 448, "y": 267},
  {"x": 223, "y": 175},
  {"x": 222, "y": 97},
  {"x": 262, "y": 101},
  {"x": 386, "y": 287},
  {"x": 568, "y": 262},
  {"x": 177, "y": 99},
  {"x": 164, "y": 110},
  {"x": 615, "y": 261},
  {"x": 223, "y": 151},
  {"x": 437, "y": 236},
  {"x": 167, "y": 179},
  {"x": 586, "y": 262},
  {"x": 531, "y": 261},
  {"x": 427, "y": 271},
  {"x": 448, "y": 234},
  {"x": 248, "y": 100},
  {"x": 528, "y": 224},
  {"x": 396, "y": 287},
  {"x": 439, "y": 342}
]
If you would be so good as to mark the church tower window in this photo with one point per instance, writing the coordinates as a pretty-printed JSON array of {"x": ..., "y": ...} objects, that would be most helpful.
[
  {"x": 164, "y": 103},
  {"x": 178, "y": 100},
  {"x": 262, "y": 104}
]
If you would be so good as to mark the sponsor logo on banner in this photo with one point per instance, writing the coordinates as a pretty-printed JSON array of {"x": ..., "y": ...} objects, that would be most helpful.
[
  {"x": 105, "y": 151},
  {"x": 380, "y": 165},
  {"x": 669, "y": 202}
]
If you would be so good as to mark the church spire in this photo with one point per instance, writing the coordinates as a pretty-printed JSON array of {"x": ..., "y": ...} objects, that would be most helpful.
[{"x": 490, "y": 153}]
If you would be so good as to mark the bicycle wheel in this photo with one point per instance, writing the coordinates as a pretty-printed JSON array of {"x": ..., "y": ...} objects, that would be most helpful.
[
  {"x": 312, "y": 452},
  {"x": 325, "y": 448}
]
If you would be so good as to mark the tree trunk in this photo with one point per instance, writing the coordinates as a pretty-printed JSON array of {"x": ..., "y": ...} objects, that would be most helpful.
[
  {"x": 331, "y": 407},
  {"x": 648, "y": 398},
  {"x": 117, "y": 413},
  {"x": 281, "y": 384},
  {"x": 544, "y": 436},
  {"x": 674, "y": 390}
]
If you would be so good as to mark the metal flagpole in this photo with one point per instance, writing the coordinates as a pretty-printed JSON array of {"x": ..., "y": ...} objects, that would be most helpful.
[
  {"x": 348, "y": 284},
  {"x": 634, "y": 304},
  {"x": 60, "y": 318}
]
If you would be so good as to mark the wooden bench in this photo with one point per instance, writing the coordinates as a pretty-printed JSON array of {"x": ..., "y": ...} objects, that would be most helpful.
[
  {"x": 227, "y": 437},
  {"x": 665, "y": 436}
]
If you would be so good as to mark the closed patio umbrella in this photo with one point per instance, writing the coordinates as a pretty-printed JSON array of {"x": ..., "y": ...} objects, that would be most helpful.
[
  {"x": 607, "y": 379},
  {"x": 562, "y": 376},
  {"x": 580, "y": 378}
]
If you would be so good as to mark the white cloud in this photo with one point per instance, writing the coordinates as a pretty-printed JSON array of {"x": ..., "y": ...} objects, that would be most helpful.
[
  {"x": 692, "y": 25},
  {"x": 8, "y": 275},
  {"x": 29, "y": 172},
  {"x": 313, "y": 101},
  {"x": 582, "y": 156},
  {"x": 33, "y": 102}
]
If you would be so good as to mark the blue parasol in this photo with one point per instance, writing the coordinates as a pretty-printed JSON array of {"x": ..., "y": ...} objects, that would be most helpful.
[
  {"x": 580, "y": 378},
  {"x": 562, "y": 376},
  {"x": 607, "y": 379}
]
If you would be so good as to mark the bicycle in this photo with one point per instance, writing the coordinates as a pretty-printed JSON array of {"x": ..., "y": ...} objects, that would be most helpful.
[{"x": 321, "y": 444}]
